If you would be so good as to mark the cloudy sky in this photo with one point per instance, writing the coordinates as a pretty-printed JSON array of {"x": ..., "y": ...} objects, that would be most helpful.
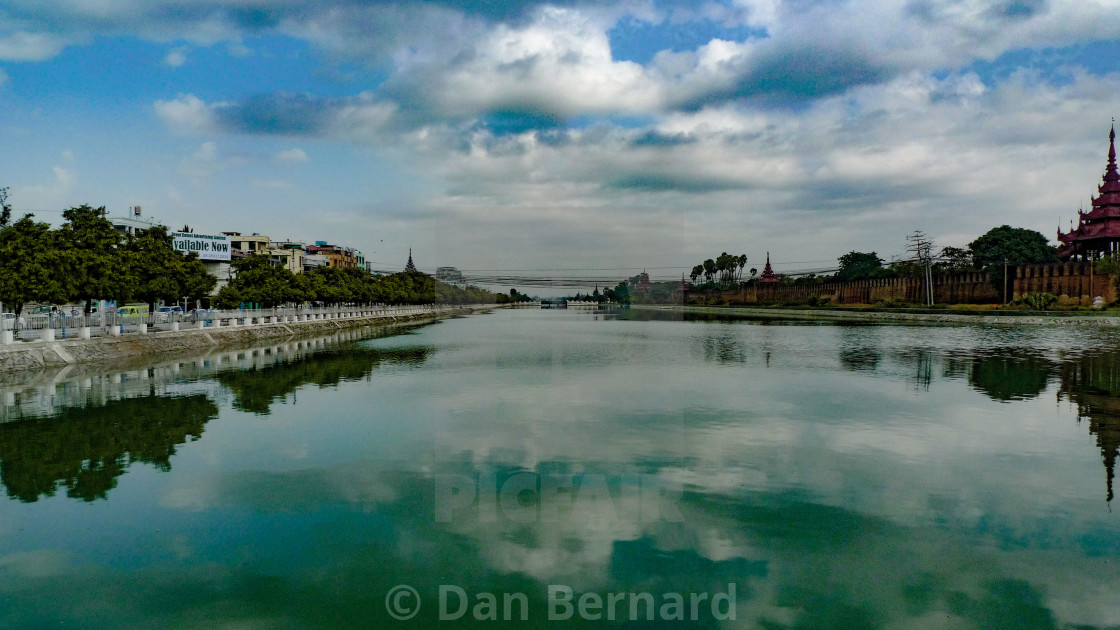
[{"x": 568, "y": 135}]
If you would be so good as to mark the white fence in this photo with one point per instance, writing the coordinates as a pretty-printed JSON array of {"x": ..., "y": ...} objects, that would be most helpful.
[{"x": 54, "y": 326}]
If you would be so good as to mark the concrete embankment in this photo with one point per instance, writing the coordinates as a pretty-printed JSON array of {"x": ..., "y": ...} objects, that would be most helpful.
[
  {"x": 892, "y": 317},
  {"x": 36, "y": 355}
]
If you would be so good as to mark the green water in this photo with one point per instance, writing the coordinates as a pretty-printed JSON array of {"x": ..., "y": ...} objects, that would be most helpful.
[{"x": 833, "y": 477}]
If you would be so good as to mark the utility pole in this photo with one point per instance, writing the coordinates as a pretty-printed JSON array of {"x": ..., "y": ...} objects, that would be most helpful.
[
  {"x": 1005, "y": 280},
  {"x": 1092, "y": 257},
  {"x": 921, "y": 247}
]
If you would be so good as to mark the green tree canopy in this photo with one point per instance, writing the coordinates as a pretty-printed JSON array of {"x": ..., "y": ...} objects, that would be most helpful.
[
  {"x": 35, "y": 268},
  {"x": 1017, "y": 246},
  {"x": 859, "y": 265},
  {"x": 101, "y": 269}
]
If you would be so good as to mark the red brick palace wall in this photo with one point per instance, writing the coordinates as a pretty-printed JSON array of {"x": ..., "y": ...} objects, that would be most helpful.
[{"x": 1070, "y": 279}]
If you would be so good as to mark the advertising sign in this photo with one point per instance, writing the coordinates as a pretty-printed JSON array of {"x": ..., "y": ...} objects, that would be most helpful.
[{"x": 207, "y": 247}]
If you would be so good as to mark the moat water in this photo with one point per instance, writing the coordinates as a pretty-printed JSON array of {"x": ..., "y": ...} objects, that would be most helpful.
[{"x": 797, "y": 475}]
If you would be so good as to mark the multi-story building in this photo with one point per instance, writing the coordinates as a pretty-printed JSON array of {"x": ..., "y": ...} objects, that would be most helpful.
[
  {"x": 288, "y": 254},
  {"x": 248, "y": 244},
  {"x": 337, "y": 256},
  {"x": 133, "y": 222},
  {"x": 312, "y": 261}
]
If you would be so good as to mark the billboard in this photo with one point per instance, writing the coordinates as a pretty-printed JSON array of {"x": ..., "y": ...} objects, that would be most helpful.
[{"x": 207, "y": 247}]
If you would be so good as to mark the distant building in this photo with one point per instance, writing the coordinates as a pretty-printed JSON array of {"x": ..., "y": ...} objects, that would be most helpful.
[
  {"x": 312, "y": 261},
  {"x": 337, "y": 256},
  {"x": 451, "y": 275},
  {"x": 248, "y": 244},
  {"x": 643, "y": 281},
  {"x": 410, "y": 266},
  {"x": 133, "y": 222},
  {"x": 768, "y": 274},
  {"x": 287, "y": 254}
]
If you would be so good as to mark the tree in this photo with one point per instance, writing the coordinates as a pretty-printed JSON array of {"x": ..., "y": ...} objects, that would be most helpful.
[
  {"x": 35, "y": 269},
  {"x": 1015, "y": 246},
  {"x": 100, "y": 268},
  {"x": 954, "y": 260},
  {"x": 859, "y": 265},
  {"x": 5, "y": 208},
  {"x": 709, "y": 269},
  {"x": 163, "y": 274}
]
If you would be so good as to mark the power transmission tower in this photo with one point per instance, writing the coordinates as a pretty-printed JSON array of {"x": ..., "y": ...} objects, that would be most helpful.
[{"x": 922, "y": 250}]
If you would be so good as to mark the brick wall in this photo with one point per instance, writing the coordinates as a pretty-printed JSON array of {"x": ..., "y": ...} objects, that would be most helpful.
[
  {"x": 1070, "y": 279},
  {"x": 960, "y": 288}
]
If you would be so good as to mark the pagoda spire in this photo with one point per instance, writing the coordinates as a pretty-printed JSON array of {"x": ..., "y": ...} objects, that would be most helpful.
[
  {"x": 410, "y": 266},
  {"x": 768, "y": 274},
  {"x": 1111, "y": 177}
]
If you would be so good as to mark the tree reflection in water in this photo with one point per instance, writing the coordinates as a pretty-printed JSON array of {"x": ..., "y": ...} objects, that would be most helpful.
[
  {"x": 1007, "y": 377},
  {"x": 85, "y": 449},
  {"x": 1092, "y": 382},
  {"x": 256, "y": 389}
]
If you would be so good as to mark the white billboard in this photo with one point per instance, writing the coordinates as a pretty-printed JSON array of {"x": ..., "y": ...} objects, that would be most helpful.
[{"x": 207, "y": 247}]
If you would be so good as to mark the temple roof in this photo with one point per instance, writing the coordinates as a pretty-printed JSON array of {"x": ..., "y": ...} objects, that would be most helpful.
[{"x": 1103, "y": 221}]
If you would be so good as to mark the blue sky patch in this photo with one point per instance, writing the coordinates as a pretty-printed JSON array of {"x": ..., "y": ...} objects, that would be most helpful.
[{"x": 638, "y": 41}]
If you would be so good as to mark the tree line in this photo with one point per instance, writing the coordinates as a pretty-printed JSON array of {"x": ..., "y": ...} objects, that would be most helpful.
[
  {"x": 87, "y": 259},
  {"x": 257, "y": 281},
  {"x": 722, "y": 269}
]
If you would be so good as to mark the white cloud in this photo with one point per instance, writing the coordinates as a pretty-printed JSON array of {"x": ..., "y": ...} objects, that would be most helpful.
[
  {"x": 559, "y": 64},
  {"x": 24, "y": 46},
  {"x": 291, "y": 156},
  {"x": 176, "y": 57},
  {"x": 186, "y": 112}
]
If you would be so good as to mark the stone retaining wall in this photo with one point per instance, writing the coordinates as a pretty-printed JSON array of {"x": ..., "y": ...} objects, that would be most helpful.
[{"x": 36, "y": 355}]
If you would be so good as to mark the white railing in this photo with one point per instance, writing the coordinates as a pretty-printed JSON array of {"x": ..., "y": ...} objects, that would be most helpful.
[{"x": 56, "y": 326}]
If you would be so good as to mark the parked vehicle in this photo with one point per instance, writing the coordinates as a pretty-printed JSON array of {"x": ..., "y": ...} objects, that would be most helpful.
[
  {"x": 167, "y": 313},
  {"x": 132, "y": 311}
]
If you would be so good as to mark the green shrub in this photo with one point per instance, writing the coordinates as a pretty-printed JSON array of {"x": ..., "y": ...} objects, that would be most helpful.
[
  {"x": 891, "y": 303},
  {"x": 1039, "y": 301}
]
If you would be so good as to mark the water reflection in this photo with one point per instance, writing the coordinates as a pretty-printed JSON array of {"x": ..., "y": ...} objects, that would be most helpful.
[
  {"x": 82, "y": 430},
  {"x": 257, "y": 388},
  {"x": 1010, "y": 376},
  {"x": 833, "y": 494},
  {"x": 85, "y": 449},
  {"x": 1093, "y": 384}
]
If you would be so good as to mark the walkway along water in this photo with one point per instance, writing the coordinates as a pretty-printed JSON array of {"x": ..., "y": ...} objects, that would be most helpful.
[{"x": 233, "y": 327}]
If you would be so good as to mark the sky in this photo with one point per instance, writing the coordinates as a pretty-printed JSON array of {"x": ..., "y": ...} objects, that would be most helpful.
[{"x": 589, "y": 138}]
